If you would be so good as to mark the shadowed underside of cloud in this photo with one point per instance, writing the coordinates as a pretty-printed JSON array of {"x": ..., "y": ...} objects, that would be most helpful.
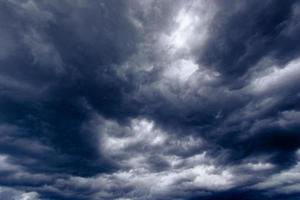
[{"x": 149, "y": 99}]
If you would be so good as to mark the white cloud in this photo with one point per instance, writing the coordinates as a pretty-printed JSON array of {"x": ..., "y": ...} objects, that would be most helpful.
[
  {"x": 28, "y": 196},
  {"x": 181, "y": 70},
  {"x": 140, "y": 183},
  {"x": 191, "y": 26},
  {"x": 277, "y": 79},
  {"x": 7, "y": 193},
  {"x": 259, "y": 166},
  {"x": 5, "y": 165},
  {"x": 286, "y": 181},
  {"x": 185, "y": 25},
  {"x": 138, "y": 147}
]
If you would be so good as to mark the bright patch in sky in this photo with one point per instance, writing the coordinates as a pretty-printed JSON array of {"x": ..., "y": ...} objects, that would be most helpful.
[
  {"x": 185, "y": 24},
  {"x": 181, "y": 70}
]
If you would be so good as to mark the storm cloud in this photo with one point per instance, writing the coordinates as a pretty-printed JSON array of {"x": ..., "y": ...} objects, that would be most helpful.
[{"x": 149, "y": 99}]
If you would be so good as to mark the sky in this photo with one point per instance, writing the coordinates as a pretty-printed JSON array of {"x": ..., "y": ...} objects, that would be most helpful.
[{"x": 149, "y": 100}]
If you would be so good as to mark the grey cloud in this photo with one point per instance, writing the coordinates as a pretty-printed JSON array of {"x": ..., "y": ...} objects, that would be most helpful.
[{"x": 149, "y": 99}]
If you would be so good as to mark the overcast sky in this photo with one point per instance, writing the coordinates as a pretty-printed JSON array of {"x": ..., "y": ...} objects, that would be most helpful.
[{"x": 149, "y": 99}]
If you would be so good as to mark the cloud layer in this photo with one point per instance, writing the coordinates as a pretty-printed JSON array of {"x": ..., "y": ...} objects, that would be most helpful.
[{"x": 149, "y": 99}]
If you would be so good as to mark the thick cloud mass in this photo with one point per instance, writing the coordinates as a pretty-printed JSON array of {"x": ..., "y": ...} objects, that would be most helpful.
[{"x": 149, "y": 99}]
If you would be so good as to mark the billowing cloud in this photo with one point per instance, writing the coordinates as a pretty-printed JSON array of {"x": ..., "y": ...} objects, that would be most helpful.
[{"x": 149, "y": 99}]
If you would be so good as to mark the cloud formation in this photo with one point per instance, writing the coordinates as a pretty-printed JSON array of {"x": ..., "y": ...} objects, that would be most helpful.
[{"x": 149, "y": 99}]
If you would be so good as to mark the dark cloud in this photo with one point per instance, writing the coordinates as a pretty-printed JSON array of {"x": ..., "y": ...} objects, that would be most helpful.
[
  {"x": 84, "y": 43},
  {"x": 251, "y": 195},
  {"x": 243, "y": 33},
  {"x": 149, "y": 99}
]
